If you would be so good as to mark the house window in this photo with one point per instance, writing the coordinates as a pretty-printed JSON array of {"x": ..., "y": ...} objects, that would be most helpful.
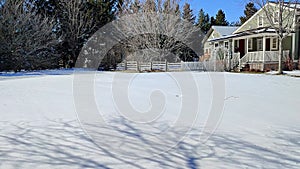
[
  {"x": 260, "y": 21},
  {"x": 236, "y": 46},
  {"x": 274, "y": 43},
  {"x": 260, "y": 44},
  {"x": 250, "y": 44},
  {"x": 276, "y": 17},
  {"x": 216, "y": 44},
  {"x": 226, "y": 45}
]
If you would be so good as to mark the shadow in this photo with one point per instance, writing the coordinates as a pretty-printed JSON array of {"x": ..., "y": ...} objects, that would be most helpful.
[{"x": 121, "y": 144}]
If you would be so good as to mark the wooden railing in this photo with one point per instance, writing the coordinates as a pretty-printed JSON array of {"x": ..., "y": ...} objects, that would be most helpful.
[{"x": 260, "y": 56}]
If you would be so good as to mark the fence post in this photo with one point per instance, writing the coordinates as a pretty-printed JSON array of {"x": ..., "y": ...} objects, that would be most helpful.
[
  {"x": 151, "y": 66},
  {"x": 137, "y": 66},
  {"x": 125, "y": 65},
  {"x": 166, "y": 64},
  {"x": 240, "y": 64}
]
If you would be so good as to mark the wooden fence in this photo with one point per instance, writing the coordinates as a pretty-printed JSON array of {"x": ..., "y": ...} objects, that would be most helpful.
[{"x": 166, "y": 66}]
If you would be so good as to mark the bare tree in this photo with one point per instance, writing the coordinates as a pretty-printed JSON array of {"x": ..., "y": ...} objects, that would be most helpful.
[
  {"x": 26, "y": 39},
  {"x": 161, "y": 32},
  {"x": 280, "y": 15}
]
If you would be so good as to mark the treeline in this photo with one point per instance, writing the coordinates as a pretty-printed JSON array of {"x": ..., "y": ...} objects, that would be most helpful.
[
  {"x": 205, "y": 21},
  {"x": 46, "y": 34}
]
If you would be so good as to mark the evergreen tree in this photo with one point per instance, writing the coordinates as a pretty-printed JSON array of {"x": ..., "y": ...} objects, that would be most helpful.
[
  {"x": 249, "y": 11},
  {"x": 212, "y": 21},
  {"x": 203, "y": 21},
  {"x": 221, "y": 18},
  {"x": 188, "y": 13},
  {"x": 90, "y": 15},
  {"x": 77, "y": 20}
]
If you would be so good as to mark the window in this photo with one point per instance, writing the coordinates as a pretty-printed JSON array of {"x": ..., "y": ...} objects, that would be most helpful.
[
  {"x": 236, "y": 43},
  {"x": 216, "y": 44},
  {"x": 260, "y": 44},
  {"x": 276, "y": 17},
  {"x": 260, "y": 21},
  {"x": 236, "y": 46},
  {"x": 274, "y": 43},
  {"x": 226, "y": 45},
  {"x": 250, "y": 43}
]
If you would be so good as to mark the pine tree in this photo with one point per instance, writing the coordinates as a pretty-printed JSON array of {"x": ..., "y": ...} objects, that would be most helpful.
[
  {"x": 188, "y": 13},
  {"x": 249, "y": 11},
  {"x": 212, "y": 21},
  {"x": 203, "y": 21},
  {"x": 221, "y": 18}
]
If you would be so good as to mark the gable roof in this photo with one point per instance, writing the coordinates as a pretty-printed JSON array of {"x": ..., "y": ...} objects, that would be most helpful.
[
  {"x": 291, "y": 5},
  {"x": 225, "y": 30},
  {"x": 222, "y": 30}
]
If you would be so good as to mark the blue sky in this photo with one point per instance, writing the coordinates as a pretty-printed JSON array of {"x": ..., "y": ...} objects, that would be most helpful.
[{"x": 232, "y": 8}]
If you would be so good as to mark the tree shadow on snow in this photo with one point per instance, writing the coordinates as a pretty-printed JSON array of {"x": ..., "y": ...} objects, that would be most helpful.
[{"x": 63, "y": 144}]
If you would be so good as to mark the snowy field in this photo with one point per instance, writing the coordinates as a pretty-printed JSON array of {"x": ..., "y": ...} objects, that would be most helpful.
[{"x": 258, "y": 126}]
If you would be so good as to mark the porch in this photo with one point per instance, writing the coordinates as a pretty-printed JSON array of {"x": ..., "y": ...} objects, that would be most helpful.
[
  {"x": 261, "y": 52},
  {"x": 259, "y": 59}
]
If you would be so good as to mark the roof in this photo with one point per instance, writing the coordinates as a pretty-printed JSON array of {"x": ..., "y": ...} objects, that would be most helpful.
[
  {"x": 245, "y": 33},
  {"x": 288, "y": 4},
  {"x": 225, "y": 30}
]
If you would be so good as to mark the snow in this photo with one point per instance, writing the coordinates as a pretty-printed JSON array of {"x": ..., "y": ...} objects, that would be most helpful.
[
  {"x": 294, "y": 73},
  {"x": 259, "y": 126}
]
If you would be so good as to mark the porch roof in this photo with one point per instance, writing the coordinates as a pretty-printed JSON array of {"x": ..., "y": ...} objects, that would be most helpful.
[{"x": 257, "y": 32}]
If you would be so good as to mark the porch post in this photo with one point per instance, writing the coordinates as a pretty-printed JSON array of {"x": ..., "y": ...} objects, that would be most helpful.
[
  {"x": 247, "y": 47},
  {"x": 264, "y": 52},
  {"x": 293, "y": 47},
  {"x": 229, "y": 54}
]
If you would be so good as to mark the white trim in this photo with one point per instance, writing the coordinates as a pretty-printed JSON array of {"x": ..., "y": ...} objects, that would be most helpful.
[
  {"x": 271, "y": 43},
  {"x": 260, "y": 19},
  {"x": 293, "y": 45},
  {"x": 250, "y": 43},
  {"x": 258, "y": 44}
]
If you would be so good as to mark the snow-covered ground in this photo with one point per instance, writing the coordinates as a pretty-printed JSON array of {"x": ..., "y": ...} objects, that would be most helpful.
[
  {"x": 295, "y": 73},
  {"x": 259, "y": 126}
]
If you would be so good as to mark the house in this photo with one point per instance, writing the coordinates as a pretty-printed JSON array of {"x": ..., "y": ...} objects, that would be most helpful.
[
  {"x": 253, "y": 45},
  {"x": 218, "y": 43}
]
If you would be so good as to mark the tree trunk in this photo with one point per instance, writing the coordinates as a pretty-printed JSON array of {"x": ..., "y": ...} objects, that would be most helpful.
[{"x": 280, "y": 56}]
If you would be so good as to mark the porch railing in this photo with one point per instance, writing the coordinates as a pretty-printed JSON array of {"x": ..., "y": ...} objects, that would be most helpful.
[{"x": 260, "y": 56}]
